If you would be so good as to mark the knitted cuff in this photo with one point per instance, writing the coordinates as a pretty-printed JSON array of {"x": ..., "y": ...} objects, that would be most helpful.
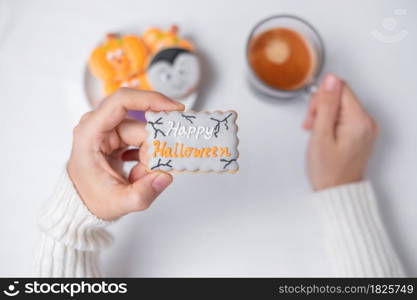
[
  {"x": 66, "y": 219},
  {"x": 354, "y": 233}
]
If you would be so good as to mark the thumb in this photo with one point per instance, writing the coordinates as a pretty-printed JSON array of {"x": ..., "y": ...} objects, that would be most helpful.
[
  {"x": 144, "y": 191},
  {"x": 328, "y": 103}
]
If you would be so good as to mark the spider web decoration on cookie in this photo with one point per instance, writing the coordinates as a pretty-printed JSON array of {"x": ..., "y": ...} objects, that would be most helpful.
[
  {"x": 189, "y": 118},
  {"x": 227, "y": 162},
  {"x": 157, "y": 130},
  {"x": 217, "y": 127},
  {"x": 161, "y": 164}
]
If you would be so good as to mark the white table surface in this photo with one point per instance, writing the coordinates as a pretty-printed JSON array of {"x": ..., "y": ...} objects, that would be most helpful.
[{"x": 259, "y": 222}]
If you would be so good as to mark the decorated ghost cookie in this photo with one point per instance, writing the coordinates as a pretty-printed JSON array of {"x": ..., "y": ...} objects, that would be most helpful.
[
  {"x": 192, "y": 141},
  {"x": 173, "y": 68}
]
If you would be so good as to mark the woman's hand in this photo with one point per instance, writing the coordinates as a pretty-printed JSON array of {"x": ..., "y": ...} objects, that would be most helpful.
[
  {"x": 98, "y": 145},
  {"x": 342, "y": 138}
]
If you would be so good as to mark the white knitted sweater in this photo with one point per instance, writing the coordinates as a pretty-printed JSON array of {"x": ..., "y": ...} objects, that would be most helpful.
[{"x": 356, "y": 241}]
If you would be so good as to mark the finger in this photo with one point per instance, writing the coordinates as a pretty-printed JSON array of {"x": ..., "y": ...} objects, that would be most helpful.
[
  {"x": 144, "y": 153},
  {"x": 349, "y": 100},
  {"x": 131, "y": 155},
  {"x": 132, "y": 132},
  {"x": 311, "y": 113},
  {"x": 353, "y": 112},
  {"x": 114, "y": 108},
  {"x": 143, "y": 192},
  {"x": 137, "y": 172},
  {"x": 328, "y": 105}
]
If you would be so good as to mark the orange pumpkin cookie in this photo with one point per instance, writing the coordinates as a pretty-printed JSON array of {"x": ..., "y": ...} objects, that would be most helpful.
[
  {"x": 157, "y": 39},
  {"x": 138, "y": 81},
  {"x": 118, "y": 58}
]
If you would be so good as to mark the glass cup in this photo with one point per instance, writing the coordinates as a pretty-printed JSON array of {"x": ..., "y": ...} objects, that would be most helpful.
[{"x": 310, "y": 35}]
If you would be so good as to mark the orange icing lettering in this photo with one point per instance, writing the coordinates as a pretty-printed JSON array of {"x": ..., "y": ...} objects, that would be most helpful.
[
  {"x": 175, "y": 150},
  {"x": 214, "y": 151},
  {"x": 167, "y": 152},
  {"x": 181, "y": 153},
  {"x": 157, "y": 149},
  {"x": 188, "y": 151},
  {"x": 206, "y": 152},
  {"x": 224, "y": 151},
  {"x": 198, "y": 152}
]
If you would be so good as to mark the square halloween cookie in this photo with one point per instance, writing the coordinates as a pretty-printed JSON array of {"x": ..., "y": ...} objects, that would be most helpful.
[{"x": 192, "y": 141}]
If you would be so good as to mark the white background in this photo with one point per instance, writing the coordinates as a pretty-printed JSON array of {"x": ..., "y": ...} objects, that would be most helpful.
[{"x": 259, "y": 222}]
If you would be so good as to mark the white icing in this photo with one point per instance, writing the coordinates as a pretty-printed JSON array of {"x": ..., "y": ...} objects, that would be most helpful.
[
  {"x": 118, "y": 53},
  {"x": 208, "y": 134},
  {"x": 178, "y": 129},
  {"x": 109, "y": 56},
  {"x": 134, "y": 83},
  {"x": 114, "y": 54}
]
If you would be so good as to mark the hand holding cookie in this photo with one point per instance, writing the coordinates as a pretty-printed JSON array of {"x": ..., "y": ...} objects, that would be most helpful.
[
  {"x": 343, "y": 135},
  {"x": 99, "y": 141}
]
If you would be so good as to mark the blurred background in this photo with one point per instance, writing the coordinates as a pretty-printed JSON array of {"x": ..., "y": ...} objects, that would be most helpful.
[{"x": 259, "y": 222}]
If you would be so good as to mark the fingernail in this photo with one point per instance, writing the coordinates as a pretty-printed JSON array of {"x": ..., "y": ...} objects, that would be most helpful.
[
  {"x": 177, "y": 104},
  {"x": 331, "y": 83},
  {"x": 161, "y": 182},
  {"x": 306, "y": 123},
  {"x": 181, "y": 106}
]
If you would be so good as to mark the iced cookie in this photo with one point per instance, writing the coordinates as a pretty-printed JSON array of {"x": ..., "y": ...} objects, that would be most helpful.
[
  {"x": 175, "y": 72},
  {"x": 157, "y": 39},
  {"x": 118, "y": 58},
  {"x": 192, "y": 141}
]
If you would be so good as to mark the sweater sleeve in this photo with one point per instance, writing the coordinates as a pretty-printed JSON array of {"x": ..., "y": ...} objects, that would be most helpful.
[
  {"x": 355, "y": 237},
  {"x": 71, "y": 237}
]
